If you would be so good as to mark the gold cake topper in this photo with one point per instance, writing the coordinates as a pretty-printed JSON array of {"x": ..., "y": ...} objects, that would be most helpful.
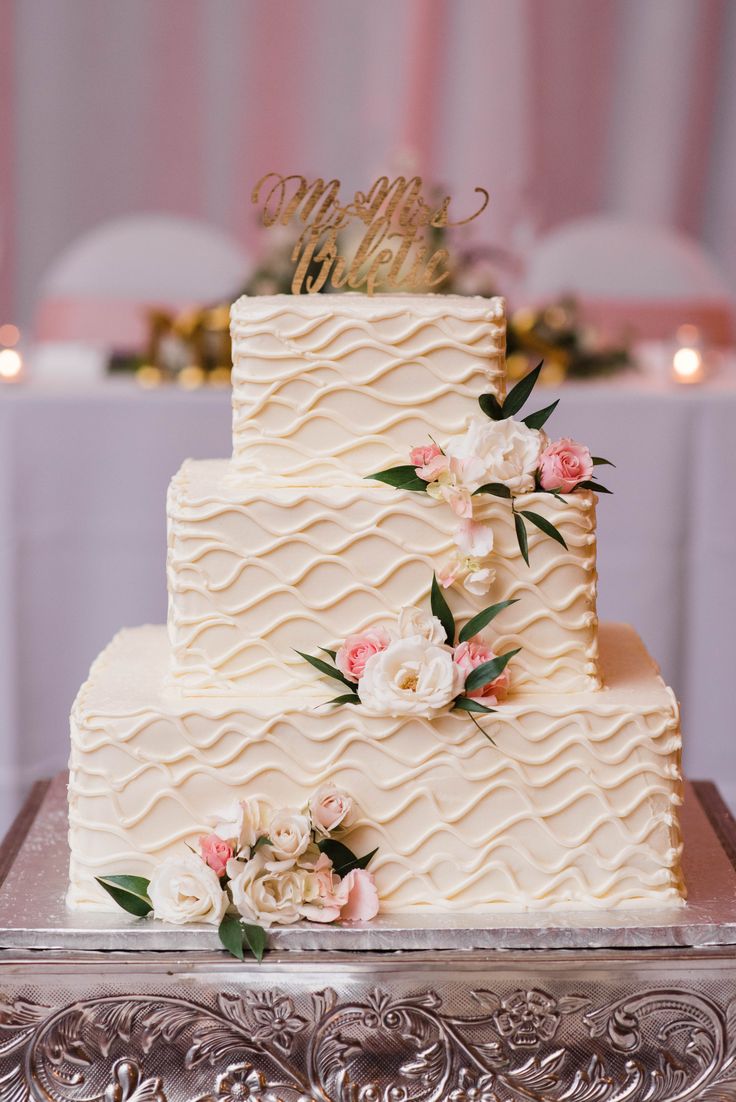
[{"x": 395, "y": 220}]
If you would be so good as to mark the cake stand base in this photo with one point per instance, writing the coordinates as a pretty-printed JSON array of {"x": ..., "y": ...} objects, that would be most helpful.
[{"x": 624, "y": 1024}]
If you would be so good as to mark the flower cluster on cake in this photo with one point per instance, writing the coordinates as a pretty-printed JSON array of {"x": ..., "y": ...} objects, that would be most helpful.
[
  {"x": 504, "y": 457},
  {"x": 259, "y": 868}
]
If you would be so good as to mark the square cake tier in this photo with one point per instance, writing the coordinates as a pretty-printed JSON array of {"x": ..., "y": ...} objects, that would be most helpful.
[{"x": 573, "y": 804}]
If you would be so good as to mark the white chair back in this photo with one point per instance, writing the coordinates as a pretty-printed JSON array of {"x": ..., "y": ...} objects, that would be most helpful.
[
  {"x": 100, "y": 287},
  {"x": 645, "y": 278}
]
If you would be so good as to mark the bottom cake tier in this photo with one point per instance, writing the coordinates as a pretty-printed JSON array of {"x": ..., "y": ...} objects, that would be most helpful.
[{"x": 572, "y": 805}]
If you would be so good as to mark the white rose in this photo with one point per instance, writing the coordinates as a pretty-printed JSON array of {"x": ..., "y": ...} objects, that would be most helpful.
[
  {"x": 414, "y": 621},
  {"x": 507, "y": 451},
  {"x": 289, "y": 834},
  {"x": 244, "y": 823},
  {"x": 184, "y": 889},
  {"x": 330, "y": 808},
  {"x": 266, "y": 891},
  {"x": 412, "y": 676}
]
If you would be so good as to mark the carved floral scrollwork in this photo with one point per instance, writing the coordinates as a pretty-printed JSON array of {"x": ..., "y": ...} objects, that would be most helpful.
[{"x": 273, "y": 1045}]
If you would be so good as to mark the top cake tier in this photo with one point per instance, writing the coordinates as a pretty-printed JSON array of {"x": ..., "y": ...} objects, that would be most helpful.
[{"x": 324, "y": 384}]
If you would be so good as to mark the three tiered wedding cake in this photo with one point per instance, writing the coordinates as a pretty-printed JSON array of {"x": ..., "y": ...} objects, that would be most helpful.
[{"x": 553, "y": 783}]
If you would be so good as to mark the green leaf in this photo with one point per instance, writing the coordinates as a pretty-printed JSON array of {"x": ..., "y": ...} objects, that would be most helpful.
[
  {"x": 521, "y": 537},
  {"x": 230, "y": 932},
  {"x": 598, "y": 461},
  {"x": 331, "y": 653},
  {"x": 544, "y": 526},
  {"x": 347, "y": 698},
  {"x": 518, "y": 394},
  {"x": 468, "y": 704},
  {"x": 402, "y": 478},
  {"x": 343, "y": 858},
  {"x": 255, "y": 938},
  {"x": 441, "y": 610},
  {"x": 323, "y": 667},
  {"x": 540, "y": 418},
  {"x": 588, "y": 484},
  {"x": 496, "y": 488},
  {"x": 489, "y": 671},
  {"x": 235, "y": 935},
  {"x": 483, "y": 618},
  {"x": 491, "y": 406},
  {"x": 129, "y": 892}
]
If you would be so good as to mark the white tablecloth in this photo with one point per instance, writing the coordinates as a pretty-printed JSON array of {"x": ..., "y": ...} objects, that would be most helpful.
[{"x": 83, "y": 479}]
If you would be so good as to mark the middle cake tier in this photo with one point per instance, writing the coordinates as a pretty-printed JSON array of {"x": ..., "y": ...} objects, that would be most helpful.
[{"x": 258, "y": 572}]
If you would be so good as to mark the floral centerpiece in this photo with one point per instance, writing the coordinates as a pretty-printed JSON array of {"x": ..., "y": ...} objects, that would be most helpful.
[
  {"x": 259, "y": 868},
  {"x": 420, "y": 665},
  {"x": 504, "y": 457}
]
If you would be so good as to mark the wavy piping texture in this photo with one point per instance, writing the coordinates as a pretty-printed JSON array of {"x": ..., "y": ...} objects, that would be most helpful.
[
  {"x": 575, "y": 806},
  {"x": 318, "y": 391},
  {"x": 254, "y": 573}
]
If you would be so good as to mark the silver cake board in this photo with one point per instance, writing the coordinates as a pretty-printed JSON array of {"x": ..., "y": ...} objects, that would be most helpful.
[{"x": 33, "y": 914}]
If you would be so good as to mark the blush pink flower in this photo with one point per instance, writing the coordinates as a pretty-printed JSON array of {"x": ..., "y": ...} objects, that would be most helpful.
[
  {"x": 564, "y": 464},
  {"x": 436, "y": 465},
  {"x": 321, "y": 882},
  {"x": 215, "y": 852},
  {"x": 421, "y": 457},
  {"x": 357, "y": 896},
  {"x": 357, "y": 649},
  {"x": 470, "y": 655},
  {"x": 446, "y": 482}
]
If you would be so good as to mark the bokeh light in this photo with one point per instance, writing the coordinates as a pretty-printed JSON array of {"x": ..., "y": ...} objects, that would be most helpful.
[
  {"x": 9, "y": 335},
  {"x": 10, "y": 363}
]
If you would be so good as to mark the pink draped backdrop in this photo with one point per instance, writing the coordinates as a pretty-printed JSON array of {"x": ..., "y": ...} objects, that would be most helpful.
[{"x": 560, "y": 107}]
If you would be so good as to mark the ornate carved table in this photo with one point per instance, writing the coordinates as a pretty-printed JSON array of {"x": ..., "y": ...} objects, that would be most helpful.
[{"x": 605, "y": 1007}]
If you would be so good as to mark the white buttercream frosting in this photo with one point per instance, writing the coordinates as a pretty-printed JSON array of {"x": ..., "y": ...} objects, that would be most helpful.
[{"x": 327, "y": 384}]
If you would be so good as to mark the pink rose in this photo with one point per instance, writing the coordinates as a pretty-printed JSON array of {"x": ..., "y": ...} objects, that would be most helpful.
[
  {"x": 470, "y": 655},
  {"x": 330, "y": 808},
  {"x": 357, "y": 649},
  {"x": 215, "y": 852},
  {"x": 357, "y": 896},
  {"x": 564, "y": 464},
  {"x": 420, "y": 457}
]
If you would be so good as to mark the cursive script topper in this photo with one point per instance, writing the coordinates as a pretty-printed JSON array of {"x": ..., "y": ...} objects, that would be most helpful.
[{"x": 393, "y": 248}]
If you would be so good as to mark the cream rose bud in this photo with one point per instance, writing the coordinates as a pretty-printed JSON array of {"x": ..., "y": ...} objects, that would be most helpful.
[
  {"x": 505, "y": 451},
  {"x": 289, "y": 834},
  {"x": 185, "y": 889},
  {"x": 244, "y": 824},
  {"x": 330, "y": 808},
  {"x": 415, "y": 621},
  {"x": 266, "y": 891},
  {"x": 411, "y": 677}
]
